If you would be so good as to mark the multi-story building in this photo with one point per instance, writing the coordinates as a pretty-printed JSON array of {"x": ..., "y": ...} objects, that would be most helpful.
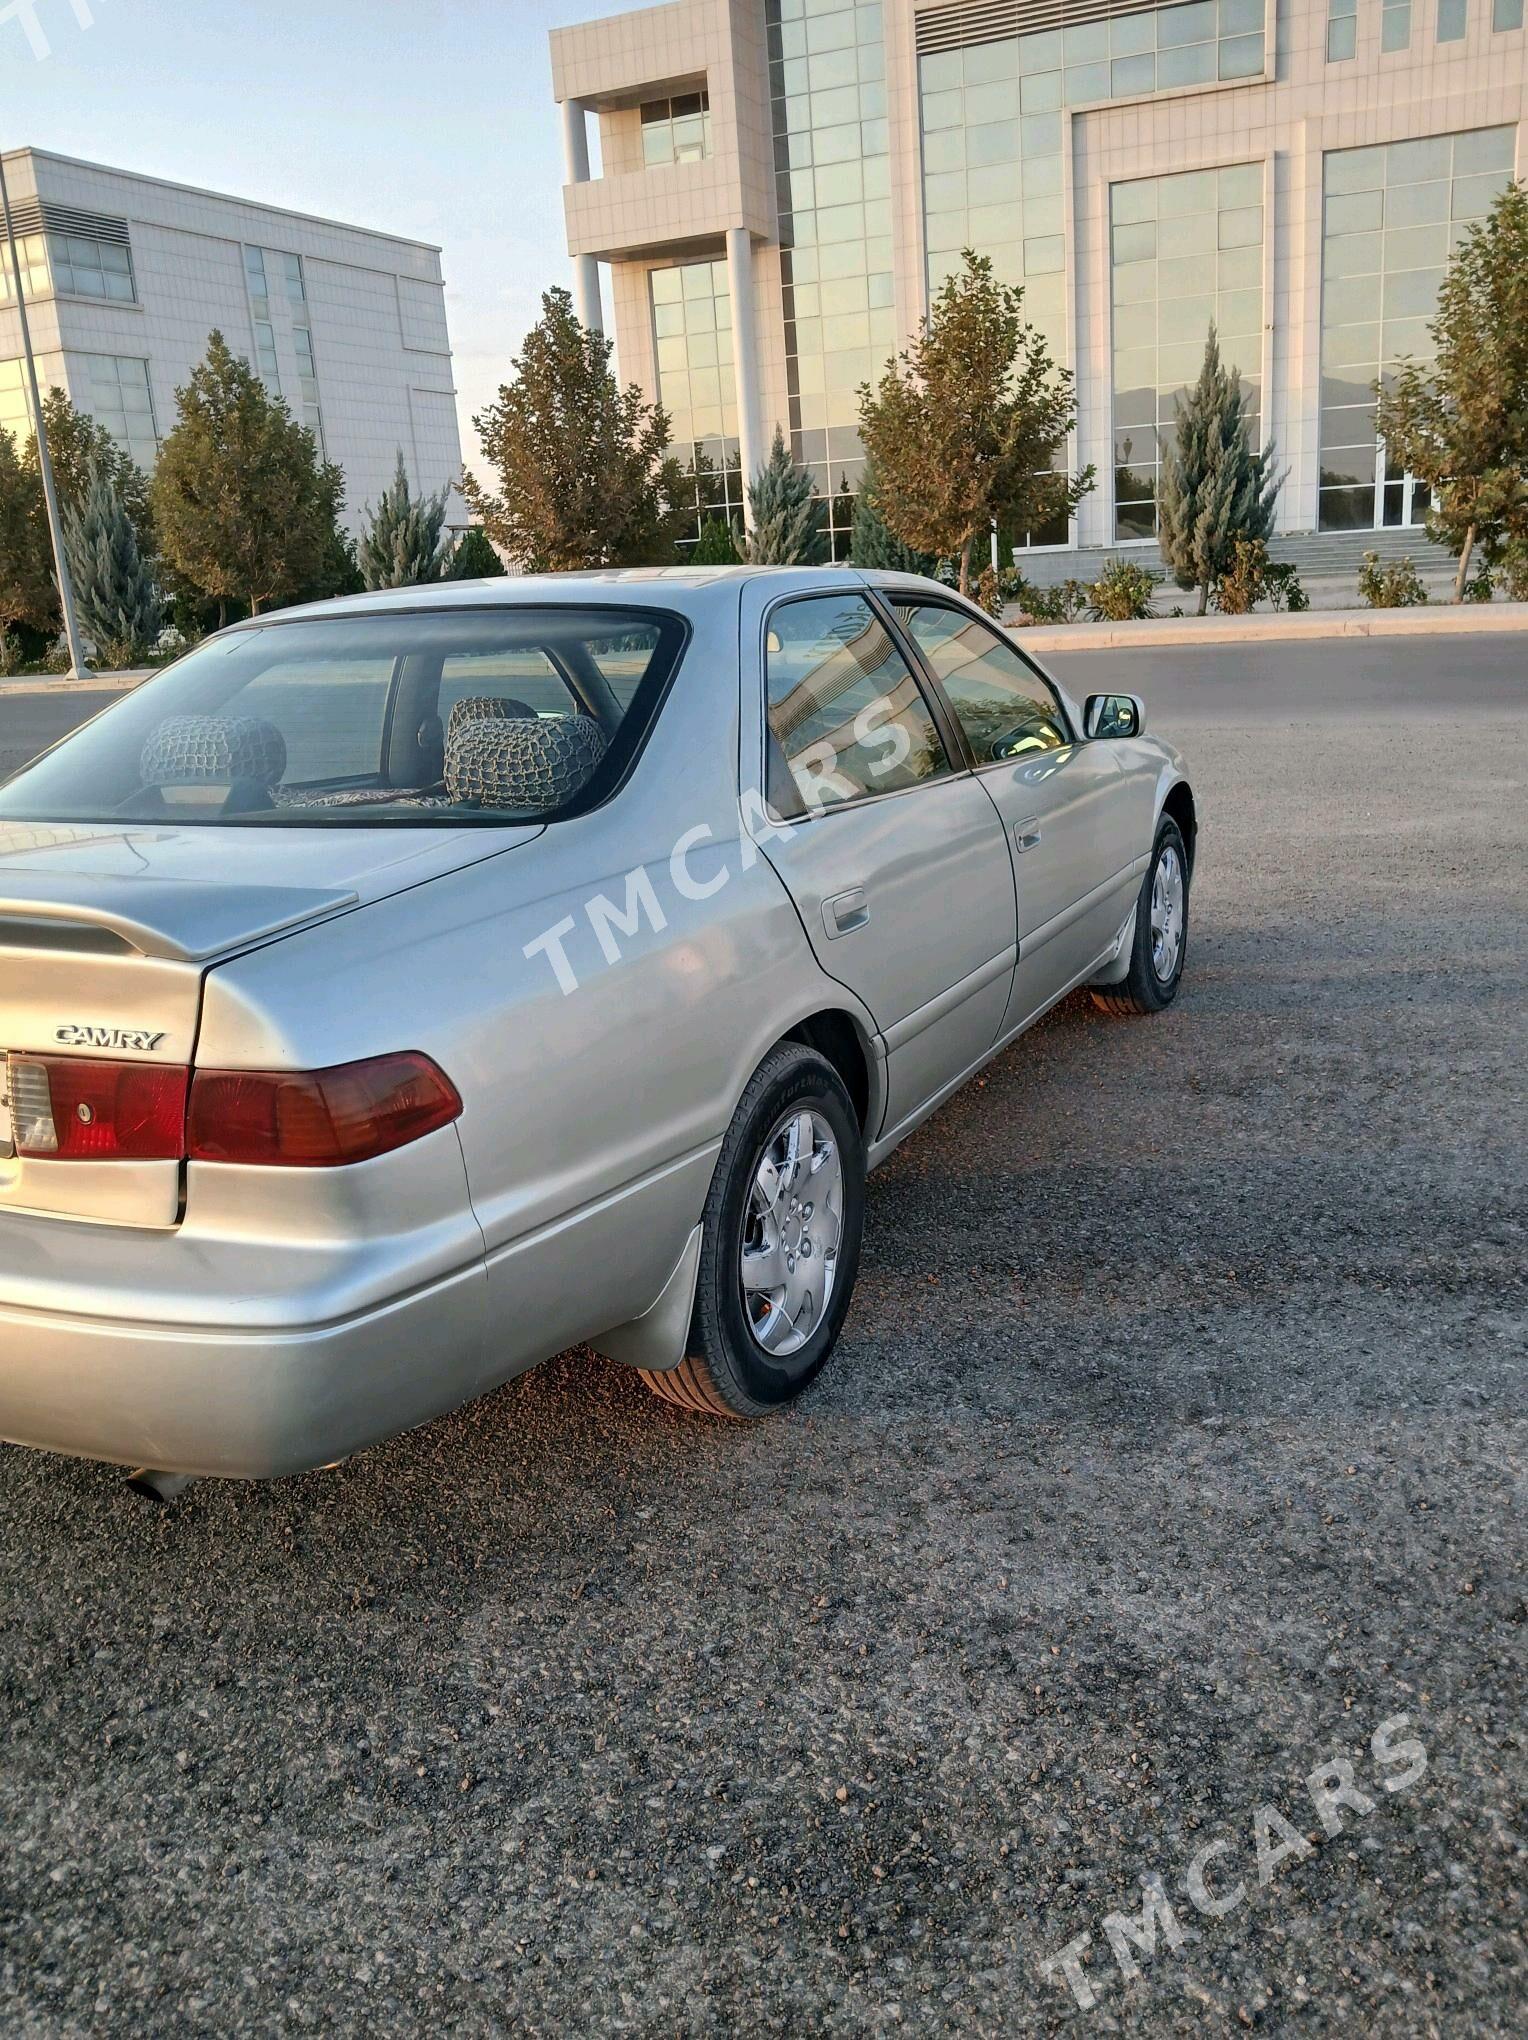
[
  {"x": 783, "y": 183},
  {"x": 126, "y": 276}
]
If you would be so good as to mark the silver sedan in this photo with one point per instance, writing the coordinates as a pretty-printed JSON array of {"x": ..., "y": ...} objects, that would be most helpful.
[{"x": 399, "y": 991}]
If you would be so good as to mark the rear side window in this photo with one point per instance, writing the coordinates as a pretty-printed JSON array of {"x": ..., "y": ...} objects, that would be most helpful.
[
  {"x": 503, "y": 714},
  {"x": 844, "y": 709},
  {"x": 1002, "y": 704}
]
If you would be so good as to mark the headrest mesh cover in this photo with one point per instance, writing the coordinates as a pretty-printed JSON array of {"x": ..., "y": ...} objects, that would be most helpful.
[{"x": 530, "y": 766}]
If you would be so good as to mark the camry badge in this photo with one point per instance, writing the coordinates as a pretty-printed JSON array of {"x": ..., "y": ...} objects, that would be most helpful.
[{"x": 140, "y": 1038}]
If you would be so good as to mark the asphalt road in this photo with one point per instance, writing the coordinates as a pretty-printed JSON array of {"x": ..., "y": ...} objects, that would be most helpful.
[{"x": 1175, "y": 1442}]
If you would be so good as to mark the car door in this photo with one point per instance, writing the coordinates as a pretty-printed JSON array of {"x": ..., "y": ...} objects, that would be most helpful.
[
  {"x": 1061, "y": 798},
  {"x": 892, "y": 853}
]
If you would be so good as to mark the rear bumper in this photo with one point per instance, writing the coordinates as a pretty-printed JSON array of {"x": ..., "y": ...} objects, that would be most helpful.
[{"x": 253, "y": 1403}]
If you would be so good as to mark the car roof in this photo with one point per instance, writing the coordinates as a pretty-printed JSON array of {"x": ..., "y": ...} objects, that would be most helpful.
[{"x": 657, "y": 587}]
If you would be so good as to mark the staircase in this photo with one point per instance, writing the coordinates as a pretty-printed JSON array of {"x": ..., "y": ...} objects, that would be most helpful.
[{"x": 1317, "y": 555}]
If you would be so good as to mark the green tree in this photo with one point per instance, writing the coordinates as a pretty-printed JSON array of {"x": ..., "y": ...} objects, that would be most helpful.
[
  {"x": 244, "y": 506},
  {"x": 787, "y": 514},
  {"x": 78, "y": 445},
  {"x": 585, "y": 478},
  {"x": 1213, "y": 487},
  {"x": 873, "y": 543},
  {"x": 474, "y": 558},
  {"x": 114, "y": 592},
  {"x": 716, "y": 546},
  {"x": 1462, "y": 425},
  {"x": 27, "y": 591},
  {"x": 402, "y": 545},
  {"x": 967, "y": 423}
]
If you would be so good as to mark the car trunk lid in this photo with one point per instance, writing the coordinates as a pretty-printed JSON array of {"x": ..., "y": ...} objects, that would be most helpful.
[{"x": 106, "y": 934}]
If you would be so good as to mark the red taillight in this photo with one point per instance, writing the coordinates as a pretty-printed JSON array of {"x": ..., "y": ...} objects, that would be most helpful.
[
  {"x": 317, "y": 1119},
  {"x": 64, "y": 1109}
]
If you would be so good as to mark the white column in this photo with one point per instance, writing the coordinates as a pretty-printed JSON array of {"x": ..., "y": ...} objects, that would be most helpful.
[
  {"x": 586, "y": 269},
  {"x": 745, "y": 354}
]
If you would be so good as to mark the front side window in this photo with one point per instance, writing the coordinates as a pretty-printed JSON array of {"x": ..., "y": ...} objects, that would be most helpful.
[
  {"x": 499, "y": 716},
  {"x": 1002, "y": 704},
  {"x": 846, "y": 713}
]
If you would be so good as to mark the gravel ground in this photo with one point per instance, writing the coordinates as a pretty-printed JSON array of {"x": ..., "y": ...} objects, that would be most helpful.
[{"x": 1175, "y": 1442}]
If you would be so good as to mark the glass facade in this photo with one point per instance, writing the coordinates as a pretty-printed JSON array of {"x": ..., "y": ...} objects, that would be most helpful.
[
  {"x": 676, "y": 130},
  {"x": 1392, "y": 214},
  {"x": 15, "y": 410},
  {"x": 992, "y": 130},
  {"x": 692, "y": 337},
  {"x": 115, "y": 391},
  {"x": 827, "y": 64},
  {"x": 1186, "y": 251},
  {"x": 35, "y": 279}
]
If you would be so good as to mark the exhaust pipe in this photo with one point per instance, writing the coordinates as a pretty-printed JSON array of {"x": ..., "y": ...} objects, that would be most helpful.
[{"x": 158, "y": 1487}]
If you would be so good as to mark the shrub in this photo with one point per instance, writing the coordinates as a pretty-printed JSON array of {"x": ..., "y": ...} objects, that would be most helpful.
[
  {"x": 716, "y": 546},
  {"x": 10, "y": 653},
  {"x": 1245, "y": 580},
  {"x": 989, "y": 592},
  {"x": 1282, "y": 585},
  {"x": 1481, "y": 586},
  {"x": 1063, "y": 603},
  {"x": 1513, "y": 568},
  {"x": 1394, "y": 586},
  {"x": 1122, "y": 593}
]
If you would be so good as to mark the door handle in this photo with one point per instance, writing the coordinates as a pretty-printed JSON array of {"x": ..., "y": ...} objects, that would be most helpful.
[
  {"x": 1026, "y": 834},
  {"x": 845, "y": 912}
]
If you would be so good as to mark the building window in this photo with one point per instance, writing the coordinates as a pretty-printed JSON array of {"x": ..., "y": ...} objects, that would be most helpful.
[
  {"x": 676, "y": 130},
  {"x": 258, "y": 285},
  {"x": 827, "y": 67},
  {"x": 1507, "y": 14},
  {"x": 1393, "y": 213},
  {"x": 35, "y": 279},
  {"x": 1395, "y": 26},
  {"x": 1341, "y": 30},
  {"x": 692, "y": 336},
  {"x": 1186, "y": 251},
  {"x": 1453, "y": 20},
  {"x": 116, "y": 393},
  {"x": 86, "y": 267}
]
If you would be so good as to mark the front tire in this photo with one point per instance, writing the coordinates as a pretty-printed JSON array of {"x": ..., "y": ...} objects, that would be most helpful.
[
  {"x": 1161, "y": 932},
  {"x": 780, "y": 1243}
]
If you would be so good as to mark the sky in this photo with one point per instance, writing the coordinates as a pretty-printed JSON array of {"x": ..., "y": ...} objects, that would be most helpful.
[{"x": 427, "y": 118}]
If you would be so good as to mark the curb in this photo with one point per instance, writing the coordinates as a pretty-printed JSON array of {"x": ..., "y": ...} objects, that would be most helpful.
[
  {"x": 52, "y": 685},
  {"x": 1471, "y": 619}
]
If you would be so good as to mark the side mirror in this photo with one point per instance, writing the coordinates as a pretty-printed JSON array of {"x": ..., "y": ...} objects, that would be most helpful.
[{"x": 1114, "y": 715}]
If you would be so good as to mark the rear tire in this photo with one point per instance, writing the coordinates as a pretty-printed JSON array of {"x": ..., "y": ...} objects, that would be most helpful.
[
  {"x": 1160, "y": 946},
  {"x": 780, "y": 1243}
]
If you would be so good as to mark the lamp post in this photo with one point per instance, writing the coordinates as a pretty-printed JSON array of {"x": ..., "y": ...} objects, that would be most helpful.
[{"x": 44, "y": 461}]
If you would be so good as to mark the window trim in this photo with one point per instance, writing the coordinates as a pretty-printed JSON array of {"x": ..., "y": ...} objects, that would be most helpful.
[
  {"x": 898, "y": 599},
  {"x": 957, "y": 756}
]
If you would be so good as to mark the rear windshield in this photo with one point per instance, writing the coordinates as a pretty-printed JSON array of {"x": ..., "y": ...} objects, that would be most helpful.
[{"x": 493, "y": 715}]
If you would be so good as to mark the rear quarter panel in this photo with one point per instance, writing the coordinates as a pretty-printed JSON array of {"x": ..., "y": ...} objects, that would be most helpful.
[{"x": 599, "y": 998}]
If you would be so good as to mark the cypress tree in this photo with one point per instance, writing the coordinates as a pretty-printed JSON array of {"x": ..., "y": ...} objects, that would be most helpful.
[
  {"x": 114, "y": 592},
  {"x": 402, "y": 545},
  {"x": 787, "y": 514},
  {"x": 1213, "y": 487}
]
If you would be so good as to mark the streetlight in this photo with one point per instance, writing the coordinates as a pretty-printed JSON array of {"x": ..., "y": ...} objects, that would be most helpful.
[{"x": 44, "y": 461}]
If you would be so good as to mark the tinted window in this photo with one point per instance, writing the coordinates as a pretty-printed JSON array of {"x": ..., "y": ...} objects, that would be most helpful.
[
  {"x": 349, "y": 719},
  {"x": 1004, "y": 707},
  {"x": 845, "y": 710}
]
